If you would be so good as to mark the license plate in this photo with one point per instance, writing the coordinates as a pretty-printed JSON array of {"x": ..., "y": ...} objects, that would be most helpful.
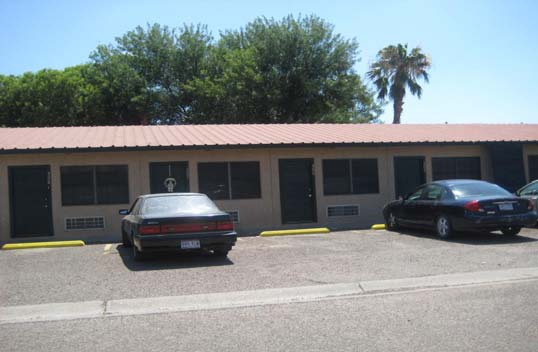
[
  {"x": 190, "y": 244},
  {"x": 506, "y": 207}
]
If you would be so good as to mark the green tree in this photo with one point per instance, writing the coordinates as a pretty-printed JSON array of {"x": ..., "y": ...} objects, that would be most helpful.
[
  {"x": 163, "y": 60},
  {"x": 44, "y": 98},
  {"x": 293, "y": 70},
  {"x": 396, "y": 69}
]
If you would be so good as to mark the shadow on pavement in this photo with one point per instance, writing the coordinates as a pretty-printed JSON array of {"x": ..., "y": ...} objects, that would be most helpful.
[
  {"x": 171, "y": 260},
  {"x": 474, "y": 238}
]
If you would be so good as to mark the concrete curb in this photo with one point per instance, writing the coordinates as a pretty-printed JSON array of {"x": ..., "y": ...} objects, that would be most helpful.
[
  {"x": 378, "y": 227},
  {"x": 261, "y": 297},
  {"x": 55, "y": 244},
  {"x": 295, "y": 232}
]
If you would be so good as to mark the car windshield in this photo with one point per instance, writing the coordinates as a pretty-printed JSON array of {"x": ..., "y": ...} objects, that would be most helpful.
[
  {"x": 176, "y": 205},
  {"x": 478, "y": 189}
]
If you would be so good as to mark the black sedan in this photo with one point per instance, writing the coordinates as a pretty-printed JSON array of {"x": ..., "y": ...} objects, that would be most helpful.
[
  {"x": 461, "y": 205},
  {"x": 176, "y": 221}
]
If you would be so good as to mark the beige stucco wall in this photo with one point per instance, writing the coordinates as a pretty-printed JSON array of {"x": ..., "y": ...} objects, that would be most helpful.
[{"x": 255, "y": 214}]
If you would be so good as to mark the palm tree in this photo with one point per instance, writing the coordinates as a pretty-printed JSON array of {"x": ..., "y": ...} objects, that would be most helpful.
[{"x": 396, "y": 69}]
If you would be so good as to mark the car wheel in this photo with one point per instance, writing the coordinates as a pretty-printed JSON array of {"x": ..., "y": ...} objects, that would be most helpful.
[
  {"x": 511, "y": 231},
  {"x": 137, "y": 255},
  {"x": 125, "y": 239},
  {"x": 391, "y": 222},
  {"x": 444, "y": 230},
  {"x": 221, "y": 252}
]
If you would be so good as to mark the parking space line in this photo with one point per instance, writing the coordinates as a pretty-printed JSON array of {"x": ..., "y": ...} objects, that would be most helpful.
[{"x": 107, "y": 247}]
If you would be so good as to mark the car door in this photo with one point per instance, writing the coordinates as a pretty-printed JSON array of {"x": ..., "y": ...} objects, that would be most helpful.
[
  {"x": 530, "y": 192},
  {"x": 129, "y": 221},
  {"x": 408, "y": 213},
  {"x": 428, "y": 204}
]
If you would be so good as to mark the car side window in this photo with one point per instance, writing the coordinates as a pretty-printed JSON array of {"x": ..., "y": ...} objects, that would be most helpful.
[
  {"x": 530, "y": 190},
  {"x": 433, "y": 192},
  {"x": 415, "y": 195},
  {"x": 135, "y": 207}
]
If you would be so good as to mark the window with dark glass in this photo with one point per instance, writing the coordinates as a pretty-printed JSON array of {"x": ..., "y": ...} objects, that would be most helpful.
[
  {"x": 230, "y": 180},
  {"x": 245, "y": 180},
  {"x": 86, "y": 185},
  {"x": 350, "y": 176},
  {"x": 213, "y": 180},
  {"x": 446, "y": 168},
  {"x": 336, "y": 177},
  {"x": 364, "y": 176}
]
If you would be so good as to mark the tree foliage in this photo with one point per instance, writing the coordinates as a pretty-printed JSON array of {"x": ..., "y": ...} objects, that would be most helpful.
[
  {"x": 292, "y": 70},
  {"x": 397, "y": 69}
]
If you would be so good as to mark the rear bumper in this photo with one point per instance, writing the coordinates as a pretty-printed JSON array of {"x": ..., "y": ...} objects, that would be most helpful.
[
  {"x": 156, "y": 243},
  {"x": 478, "y": 222}
]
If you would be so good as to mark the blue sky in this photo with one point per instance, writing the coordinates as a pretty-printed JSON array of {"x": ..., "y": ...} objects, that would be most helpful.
[{"x": 484, "y": 53}]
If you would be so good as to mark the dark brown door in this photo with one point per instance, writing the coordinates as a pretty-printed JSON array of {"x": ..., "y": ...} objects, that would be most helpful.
[
  {"x": 408, "y": 174},
  {"x": 30, "y": 201},
  {"x": 297, "y": 191}
]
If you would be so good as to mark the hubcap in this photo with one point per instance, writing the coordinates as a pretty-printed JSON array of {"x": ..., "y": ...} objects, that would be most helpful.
[
  {"x": 392, "y": 220},
  {"x": 442, "y": 226}
]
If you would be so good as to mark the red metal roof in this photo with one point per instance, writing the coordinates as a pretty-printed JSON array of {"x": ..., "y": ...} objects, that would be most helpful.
[{"x": 199, "y": 136}]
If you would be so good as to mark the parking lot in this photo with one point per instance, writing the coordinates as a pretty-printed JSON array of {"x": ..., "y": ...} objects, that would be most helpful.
[{"x": 107, "y": 271}]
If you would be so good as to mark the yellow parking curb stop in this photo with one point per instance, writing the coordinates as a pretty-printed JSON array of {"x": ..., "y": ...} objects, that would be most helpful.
[
  {"x": 43, "y": 245},
  {"x": 295, "y": 232},
  {"x": 378, "y": 227}
]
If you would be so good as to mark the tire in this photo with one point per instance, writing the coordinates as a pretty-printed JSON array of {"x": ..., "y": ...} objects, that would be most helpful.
[
  {"x": 221, "y": 252},
  {"x": 125, "y": 239},
  {"x": 511, "y": 231},
  {"x": 443, "y": 227},
  {"x": 391, "y": 223},
  {"x": 137, "y": 255}
]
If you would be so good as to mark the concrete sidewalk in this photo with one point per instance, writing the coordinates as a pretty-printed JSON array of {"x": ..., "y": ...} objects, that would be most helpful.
[{"x": 250, "y": 298}]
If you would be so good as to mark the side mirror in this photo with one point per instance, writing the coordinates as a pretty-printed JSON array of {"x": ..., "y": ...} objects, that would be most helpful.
[{"x": 123, "y": 212}]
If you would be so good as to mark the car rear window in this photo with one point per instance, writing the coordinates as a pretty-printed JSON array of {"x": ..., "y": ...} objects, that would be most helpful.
[
  {"x": 177, "y": 205},
  {"x": 478, "y": 189}
]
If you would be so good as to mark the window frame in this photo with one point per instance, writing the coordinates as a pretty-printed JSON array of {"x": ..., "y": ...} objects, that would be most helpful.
[
  {"x": 350, "y": 178},
  {"x": 94, "y": 184}
]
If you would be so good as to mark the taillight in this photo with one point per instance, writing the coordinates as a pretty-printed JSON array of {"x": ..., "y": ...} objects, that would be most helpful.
[
  {"x": 473, "y": 207},
  {"x": 531, "y": 205},
  {"x": 225, "y": 225},
  {"x": 149, "y": 229}
]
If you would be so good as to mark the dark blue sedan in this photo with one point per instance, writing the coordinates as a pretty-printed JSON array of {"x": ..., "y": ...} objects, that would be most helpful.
[
  {"x": 461, "y": 205},
  {"x": 176, "y": 221}
]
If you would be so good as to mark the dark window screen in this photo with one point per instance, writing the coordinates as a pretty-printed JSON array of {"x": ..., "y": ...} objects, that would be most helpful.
[
  {"x": 456, "y": 168},
  {"x": 336, "y": 177},
  {"x": 365, "y": 177},
  {"x": 85, "y": 185},
  {"x": 112, "y": 184},
  {"x": 160, "y": 171},
  {"x": 77, "y": 185},
  {"x": 245, "y": 180},
  {"x": 213, "y": 180}
]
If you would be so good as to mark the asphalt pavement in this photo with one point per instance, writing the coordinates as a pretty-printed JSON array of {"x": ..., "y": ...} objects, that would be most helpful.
[
  {"x": 488, "y": 318},
  {"x": 350, "y": 290}
]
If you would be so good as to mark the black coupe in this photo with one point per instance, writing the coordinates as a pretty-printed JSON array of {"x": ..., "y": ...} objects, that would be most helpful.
[
  {"x": 176, "y": 221},
  {"x": 461, "y": 205}
]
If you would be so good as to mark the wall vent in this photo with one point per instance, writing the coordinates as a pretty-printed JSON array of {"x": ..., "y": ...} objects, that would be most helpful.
[
  {"x": 342, "y": 210},
  {"x": 234, "y": 215},
  {"x": 85, "y": 223}
]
